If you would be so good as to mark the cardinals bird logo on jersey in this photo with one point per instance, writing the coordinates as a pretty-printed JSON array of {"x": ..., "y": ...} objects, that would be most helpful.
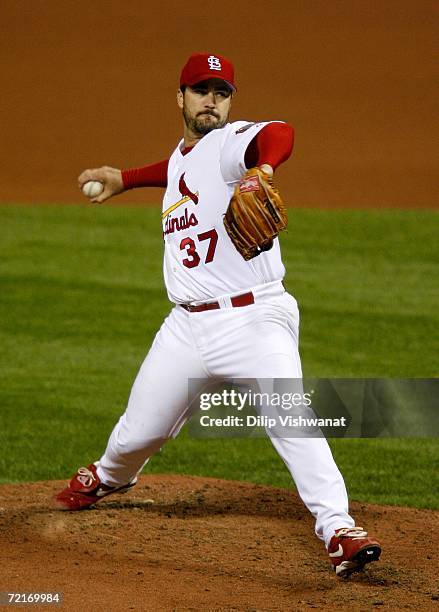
[
  {"x": 185, "y": 191},
  {"x": 186, "y": 220},
  {"x": 187, "y": 195}
]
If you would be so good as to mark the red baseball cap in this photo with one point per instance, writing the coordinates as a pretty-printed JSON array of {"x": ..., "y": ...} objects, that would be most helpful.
[{"x": 203, "y": 66}]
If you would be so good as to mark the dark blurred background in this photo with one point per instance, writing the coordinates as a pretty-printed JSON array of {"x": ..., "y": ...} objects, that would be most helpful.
[{"x": 92, "y": 83}]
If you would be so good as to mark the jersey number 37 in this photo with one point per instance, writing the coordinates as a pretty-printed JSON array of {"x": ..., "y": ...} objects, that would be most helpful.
[{"x": 193, "y": 259}]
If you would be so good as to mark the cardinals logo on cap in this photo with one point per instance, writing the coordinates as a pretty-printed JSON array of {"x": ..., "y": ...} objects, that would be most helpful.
[
  {"x": 214, "y": 62},
  {"x": 203, "y": 66}
]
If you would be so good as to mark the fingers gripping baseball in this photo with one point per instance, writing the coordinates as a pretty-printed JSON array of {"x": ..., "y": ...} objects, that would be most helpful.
[{"x": 110, "y": 178}]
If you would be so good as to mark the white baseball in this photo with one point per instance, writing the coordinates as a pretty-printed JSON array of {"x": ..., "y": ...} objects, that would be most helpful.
[{"x": 92, "y": 189}]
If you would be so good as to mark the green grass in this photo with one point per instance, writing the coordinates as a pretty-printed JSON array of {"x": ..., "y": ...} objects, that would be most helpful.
[{"x": 81, "y": 296}]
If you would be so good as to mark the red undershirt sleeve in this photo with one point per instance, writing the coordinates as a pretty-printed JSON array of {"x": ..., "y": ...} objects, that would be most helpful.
[
  {"x": 154, "y": 175},
  {"x": 272, "y": 145}
]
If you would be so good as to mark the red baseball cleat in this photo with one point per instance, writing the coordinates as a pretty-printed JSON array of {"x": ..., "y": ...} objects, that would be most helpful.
[
  {"x": 85, "y": 489},
  {"x": 350, "y": 549}
]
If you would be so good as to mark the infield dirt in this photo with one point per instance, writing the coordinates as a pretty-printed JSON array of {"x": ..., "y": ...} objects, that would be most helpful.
[{"x": 188, "y": 543}]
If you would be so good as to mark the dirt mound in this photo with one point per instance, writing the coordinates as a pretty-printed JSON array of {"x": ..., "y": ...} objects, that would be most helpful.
[{"x": 189, "y": 543}]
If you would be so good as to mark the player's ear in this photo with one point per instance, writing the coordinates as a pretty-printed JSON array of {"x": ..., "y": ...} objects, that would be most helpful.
[{"x": 180, "y": 98}]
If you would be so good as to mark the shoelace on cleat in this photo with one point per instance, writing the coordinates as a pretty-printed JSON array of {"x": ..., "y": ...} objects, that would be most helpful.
[
  {"x": 85, "y": 477},
  {"x": 352, "y": 532}
]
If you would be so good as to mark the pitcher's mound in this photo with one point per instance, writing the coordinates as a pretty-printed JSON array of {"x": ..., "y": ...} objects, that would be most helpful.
[{"x": 189, "y": 543}]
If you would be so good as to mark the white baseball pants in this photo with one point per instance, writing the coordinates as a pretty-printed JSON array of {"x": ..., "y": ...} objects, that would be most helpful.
[{"x": 256, "y": 341}]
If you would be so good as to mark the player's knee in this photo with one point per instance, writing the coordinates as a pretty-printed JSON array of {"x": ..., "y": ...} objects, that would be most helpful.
[{"x": 128, "y": 445}]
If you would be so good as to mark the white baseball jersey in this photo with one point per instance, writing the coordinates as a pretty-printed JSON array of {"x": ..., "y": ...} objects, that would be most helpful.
[{"x": 200, "y": 262}]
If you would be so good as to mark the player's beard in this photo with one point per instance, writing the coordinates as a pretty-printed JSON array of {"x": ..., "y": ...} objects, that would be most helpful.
[{"x": 203, "y": 123}]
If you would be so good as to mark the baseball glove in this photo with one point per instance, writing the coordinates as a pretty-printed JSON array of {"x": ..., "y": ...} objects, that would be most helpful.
[{"x": 255, "y": 215}]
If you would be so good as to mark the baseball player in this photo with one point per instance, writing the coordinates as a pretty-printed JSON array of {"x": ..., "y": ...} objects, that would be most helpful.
[{"x": 232, "y": 317}]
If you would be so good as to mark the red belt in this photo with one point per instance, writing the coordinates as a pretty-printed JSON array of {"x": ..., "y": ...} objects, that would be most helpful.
[{"x": 245, "y": 299}]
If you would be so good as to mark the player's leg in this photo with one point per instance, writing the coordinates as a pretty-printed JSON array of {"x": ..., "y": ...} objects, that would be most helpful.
[
  {"x": 157, "y": 408},
  {"x": 309, "y": 459},
  {"x": 265, "y": 347},
  {"x": 158, "y": 404}
]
